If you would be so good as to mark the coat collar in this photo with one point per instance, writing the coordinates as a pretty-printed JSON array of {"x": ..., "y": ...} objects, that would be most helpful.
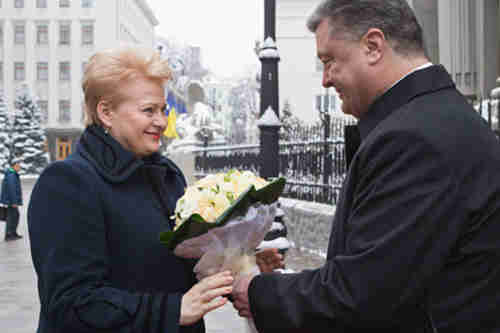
[
  {"x": 112, "y": 161},
  {"x": 421, "y": 82}
]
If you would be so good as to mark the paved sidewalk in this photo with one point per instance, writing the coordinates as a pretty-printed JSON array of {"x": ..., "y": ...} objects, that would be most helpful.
[{"x": 19, "y": 306}]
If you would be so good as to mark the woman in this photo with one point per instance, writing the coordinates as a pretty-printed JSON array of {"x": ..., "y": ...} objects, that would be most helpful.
[{"x": 94, "y": 218}]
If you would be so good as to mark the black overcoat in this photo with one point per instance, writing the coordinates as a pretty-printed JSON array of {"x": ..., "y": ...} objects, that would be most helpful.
[
  {"x": 94, "y": 222},
  {"x": 415, "y": 241}
]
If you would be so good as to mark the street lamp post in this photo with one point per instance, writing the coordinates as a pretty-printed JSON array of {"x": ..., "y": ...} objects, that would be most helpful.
[
  {"x": 269, "y": 123},
  {"x": 325, "y": 117}
]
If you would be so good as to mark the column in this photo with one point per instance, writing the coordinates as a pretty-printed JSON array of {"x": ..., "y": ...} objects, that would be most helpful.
[
  {"x": 30, "y": 58},
  {"x": 53, "y": 95},
  {"x": 8, "y": 66},
  {"x": 76, "y": 69}
]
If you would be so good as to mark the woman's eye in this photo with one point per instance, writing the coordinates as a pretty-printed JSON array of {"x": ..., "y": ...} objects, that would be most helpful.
[{"x": 148, "y": 110}]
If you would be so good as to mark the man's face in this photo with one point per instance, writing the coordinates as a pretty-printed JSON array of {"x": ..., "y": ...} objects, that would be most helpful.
[
  {"x": 344, "y": 69},
  {"x": 16, "y": 167}
]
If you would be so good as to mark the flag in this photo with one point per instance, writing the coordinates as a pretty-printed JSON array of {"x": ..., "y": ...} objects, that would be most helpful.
[
  {"x": 182, "y": 108},
  {"x": 170, "y": 103},
  {"x": 171, "y": 131}
]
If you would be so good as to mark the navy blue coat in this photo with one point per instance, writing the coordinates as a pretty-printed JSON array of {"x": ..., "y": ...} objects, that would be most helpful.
[
  {"x": 94, "y": 222},
  {"x": 415, "y": 238},
  {"x": 11, "y": 188}
]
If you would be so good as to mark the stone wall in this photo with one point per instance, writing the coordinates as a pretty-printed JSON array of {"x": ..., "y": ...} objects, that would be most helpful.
[
  {"x": 185, "y": 161},
  {"x": 308, "y": 224}
]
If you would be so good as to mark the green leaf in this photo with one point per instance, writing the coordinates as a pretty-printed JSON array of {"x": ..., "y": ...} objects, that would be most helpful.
[{"x": 196, "y": 225}]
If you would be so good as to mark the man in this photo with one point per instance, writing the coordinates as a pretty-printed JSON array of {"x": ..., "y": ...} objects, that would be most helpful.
[
  {"x": 12, "y": 197},
  {"x": 415, "y": 240}
]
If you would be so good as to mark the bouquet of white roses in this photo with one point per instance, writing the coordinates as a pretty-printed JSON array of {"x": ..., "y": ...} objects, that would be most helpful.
[{"x": 221, "y": 219}]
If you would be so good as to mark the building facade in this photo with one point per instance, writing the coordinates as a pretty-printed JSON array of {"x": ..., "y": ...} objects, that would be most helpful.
[
  {"x": 47, "y": 43},
  {"x": 463, "y": 35}
]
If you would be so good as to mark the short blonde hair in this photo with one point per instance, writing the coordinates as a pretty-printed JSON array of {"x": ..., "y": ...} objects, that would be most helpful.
[{"x": 106, "y": 70}]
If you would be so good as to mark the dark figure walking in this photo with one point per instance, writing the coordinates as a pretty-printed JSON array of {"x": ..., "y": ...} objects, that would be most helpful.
[{"x": 12, "y": 197}]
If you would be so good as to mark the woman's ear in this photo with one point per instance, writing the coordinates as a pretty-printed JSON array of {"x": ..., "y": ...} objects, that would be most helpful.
[{"x": 105, "y": 114}]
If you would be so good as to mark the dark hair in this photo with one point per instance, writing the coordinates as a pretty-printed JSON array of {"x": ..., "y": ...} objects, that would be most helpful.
[{"x": 353, "y": 18}]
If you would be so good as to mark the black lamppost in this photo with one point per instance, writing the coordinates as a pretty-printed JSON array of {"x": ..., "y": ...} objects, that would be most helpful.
[
  {"x": 268, "y": 123},
  {"x": 325, "y": 117}
]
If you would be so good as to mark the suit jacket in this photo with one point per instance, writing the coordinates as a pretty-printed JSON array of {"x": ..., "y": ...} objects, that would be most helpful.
[{"x": 415, "y": 243}]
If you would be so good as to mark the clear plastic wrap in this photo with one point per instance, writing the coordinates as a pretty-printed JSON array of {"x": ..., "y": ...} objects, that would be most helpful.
[{"x": 231, "y": 246}]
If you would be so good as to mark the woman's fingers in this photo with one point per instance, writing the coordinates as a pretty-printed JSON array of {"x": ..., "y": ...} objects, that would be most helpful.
[
  {"x": 209, "y": 295},
  {"x": 212, "y": 305},
  {"x": 215, "y": 281},
  {"x": 203, "y": 297}
]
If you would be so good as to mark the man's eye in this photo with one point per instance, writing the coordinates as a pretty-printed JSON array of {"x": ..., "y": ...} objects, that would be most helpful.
[{"x": 148, "y": 110}]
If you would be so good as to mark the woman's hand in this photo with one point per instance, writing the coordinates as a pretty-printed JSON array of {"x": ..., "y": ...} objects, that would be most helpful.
[
  {"x": 269, "y": 259},
  {"x": 200, "y": 299}
]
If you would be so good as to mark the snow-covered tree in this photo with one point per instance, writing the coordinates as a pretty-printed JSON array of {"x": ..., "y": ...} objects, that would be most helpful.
[
  {"x": 4, "y": 134},
  {"x": 28, "y": 135},
  {"x": 290, "y": 122},
  {"x": 244, "y": 102}
]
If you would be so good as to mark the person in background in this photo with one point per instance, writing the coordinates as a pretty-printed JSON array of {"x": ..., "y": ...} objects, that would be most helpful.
[
  {"x": 12, "y": 197},
  {"x": 414, "y": 242}
]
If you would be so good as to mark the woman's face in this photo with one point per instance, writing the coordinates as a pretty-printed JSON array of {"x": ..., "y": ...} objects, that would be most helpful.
[{"x": 139, "y": 120}]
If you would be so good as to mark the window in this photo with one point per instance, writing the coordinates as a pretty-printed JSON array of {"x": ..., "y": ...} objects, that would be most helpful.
[
  {"x": 64, "y": 111},
  {"x": 44, "y": 108},
  {"x": 1, "y": 71},
  {"x": 88, "y": 3},
  {"x": 19, "y": 71},
  {"x": 326, "y": 102},
  {"x": 64, "y": 3},
  {"x": 87, "y": 33},
  {"x": 18, "y": 3},
  {"x": 41, "y": 3},
  {"x": 1, "y": 35},
  {"x": 64, "y": 71},
  {"x": 64, "y": 34},
  {"x": 42, "y": 34},
  {"x": 42, "y": 71},
  {"x": 19, "y": 33}
]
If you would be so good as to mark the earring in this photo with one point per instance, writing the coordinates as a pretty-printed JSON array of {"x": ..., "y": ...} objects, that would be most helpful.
[{"x": 106, "y": 130}]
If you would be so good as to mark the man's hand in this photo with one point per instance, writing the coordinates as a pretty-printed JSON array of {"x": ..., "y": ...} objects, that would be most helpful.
[
  {"x": 240, "y": 295},
  {"x": 13, "y": 206},
  {"x": 269, "y": 260}
]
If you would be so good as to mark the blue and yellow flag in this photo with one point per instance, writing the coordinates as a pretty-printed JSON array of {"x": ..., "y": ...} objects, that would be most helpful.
[{"x": 171, "y": 131}]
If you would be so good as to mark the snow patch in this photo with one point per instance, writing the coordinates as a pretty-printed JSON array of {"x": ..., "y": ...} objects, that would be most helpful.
[{"x": 269, "y": 118}]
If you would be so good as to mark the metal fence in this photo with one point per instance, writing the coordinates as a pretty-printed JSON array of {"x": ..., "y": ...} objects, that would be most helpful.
[
  {"x": 489, "y": 109},
  {"x": 312, "y": 159}
]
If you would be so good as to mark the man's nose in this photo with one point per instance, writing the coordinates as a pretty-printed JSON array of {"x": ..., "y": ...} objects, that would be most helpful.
[{"x": 326, "y": 79}]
